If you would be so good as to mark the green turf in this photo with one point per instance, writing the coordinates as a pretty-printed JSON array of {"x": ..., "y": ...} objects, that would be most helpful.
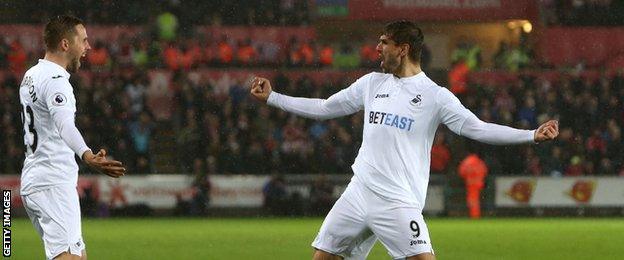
[{"x": 163, "y": 238}]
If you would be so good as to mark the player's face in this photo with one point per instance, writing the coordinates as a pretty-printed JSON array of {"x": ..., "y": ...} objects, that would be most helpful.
[
  {"x": 389, "y": 52},
  {"x": 78, "y": 48}
]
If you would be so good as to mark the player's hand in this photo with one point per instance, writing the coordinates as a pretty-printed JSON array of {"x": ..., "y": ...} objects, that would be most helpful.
[
  {"x": 547, "y": 131},
  {"x": 261, "y": 88},
  {"x": 99, "y": 163}
]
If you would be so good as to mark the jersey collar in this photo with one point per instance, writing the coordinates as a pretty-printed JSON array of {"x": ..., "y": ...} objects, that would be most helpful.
[
  {"x": 413, "y": 78},
  {"x": 55, "y": 66}
]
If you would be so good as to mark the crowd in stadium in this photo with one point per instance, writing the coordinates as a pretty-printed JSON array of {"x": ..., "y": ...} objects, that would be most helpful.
[
  {"x": 187, "y": 13},
  {"x": 227, "y": 131},
  {"x": 219, "y": 129},
  {"x": 590, "y": 115},
  {"x": 203, "y": 51}
]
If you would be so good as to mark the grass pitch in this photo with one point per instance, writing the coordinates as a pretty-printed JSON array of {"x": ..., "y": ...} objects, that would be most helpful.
[{"x": 257, "y": 238}]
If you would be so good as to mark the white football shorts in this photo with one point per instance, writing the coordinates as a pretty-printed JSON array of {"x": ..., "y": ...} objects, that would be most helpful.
[
  {"x": 360, "y": 217},
  {"x": 55, "y": 214}
]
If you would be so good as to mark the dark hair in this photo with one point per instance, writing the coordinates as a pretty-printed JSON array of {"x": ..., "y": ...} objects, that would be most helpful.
[
  {"x": 59, "y": 28},
  {"x": 403, "y": 32}
]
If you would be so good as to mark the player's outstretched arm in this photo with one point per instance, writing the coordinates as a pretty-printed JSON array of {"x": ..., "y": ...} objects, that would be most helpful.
[
  {"x": 463, "y": 122},
  {"x": 340, "y": 104},
  {"x": 99, "y": 163},
  {"x": 496, "y": 134}
]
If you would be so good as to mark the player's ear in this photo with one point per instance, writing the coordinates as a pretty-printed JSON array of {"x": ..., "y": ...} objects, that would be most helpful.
[
  {"x": 64, "y": 45},
  {"x": 405, "y": 49}
]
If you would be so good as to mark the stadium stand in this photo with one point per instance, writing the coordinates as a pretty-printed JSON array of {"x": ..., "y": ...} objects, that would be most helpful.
[{"x": 204, "y": 113}]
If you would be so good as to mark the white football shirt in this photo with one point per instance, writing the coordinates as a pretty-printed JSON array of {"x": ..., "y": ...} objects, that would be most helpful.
[
  {"x": 401, "y": 116},
  {"x": 50, "y": 136}
]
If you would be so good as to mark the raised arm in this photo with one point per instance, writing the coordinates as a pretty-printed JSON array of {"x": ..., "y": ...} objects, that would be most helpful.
[
  {"x": 463, "y": 122},
  {"x": 345, "y": 102}
]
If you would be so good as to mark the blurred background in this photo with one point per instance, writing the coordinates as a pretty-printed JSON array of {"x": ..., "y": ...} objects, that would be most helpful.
[{"x": 165, "y": 90}]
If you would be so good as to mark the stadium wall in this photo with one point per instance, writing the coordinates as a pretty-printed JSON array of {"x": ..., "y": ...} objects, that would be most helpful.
[
  {"x": 449, "y": 10},
  {"x": 594, "y": 46},
  {"x": 163, "y": 193},
  {"x": 237, "y": 195}
]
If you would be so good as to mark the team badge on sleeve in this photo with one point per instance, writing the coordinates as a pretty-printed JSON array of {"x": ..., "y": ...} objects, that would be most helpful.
[{"x": 59, "y": 99}]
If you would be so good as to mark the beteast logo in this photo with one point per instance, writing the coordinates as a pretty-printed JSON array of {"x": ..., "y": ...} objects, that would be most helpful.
[
  {"x": 416, "y": 100},
  {"x": 382, "y": 95}
]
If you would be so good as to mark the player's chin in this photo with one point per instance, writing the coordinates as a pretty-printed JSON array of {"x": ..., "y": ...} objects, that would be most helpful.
[{"x": 74, "y": 66}]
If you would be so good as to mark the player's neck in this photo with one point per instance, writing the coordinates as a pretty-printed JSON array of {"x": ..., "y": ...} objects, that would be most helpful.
[
  {"x": 57, "y": 58},
  {"x": 407, "y": 69}
]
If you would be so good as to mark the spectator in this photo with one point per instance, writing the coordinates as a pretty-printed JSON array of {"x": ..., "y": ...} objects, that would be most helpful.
[
  {"x": 201, "y": 189},
  {"x": 576, "y": 167},
  {"x": 167, "y": 24},
  {"x": 440, "y": 154},
  {"x": 17, "y": 57},
  {"x": 136, "y": 92},
  {"x": 275, "y": 196},
  {"x": 321, "y": 195},
  {"x": 458, "y": 78},
  {"x": 532, "y": 162},
  {"x": 121, "y": 50},
  {"x": 190, "y": 55},
  {"x": 141, "y": 133},
  {"x": 346, "y": 58},
  {"x": 528, "y": 113},
  {"x": 188, "y": 141},
  {"x": 517, "y": 58},
  {"x": 500, "y": 57},
  {"x": 326, "y": 55},
  {"x": 139, "y": 55},
  {"x": 295, "y": 57},
  {"x": 98, "y": 57},
  {"x": 308, "y": 53},
  {"x": 225, "y": 52},
  {"x": 232, "y": 154},
  {"x": 268, "y": 53},
  {"x": 468, "y": 53},
  {"x": 554, "y": 163},
  {"x": 171, "y": 56},
  {"x": 369, "y": 55},
  {"x": 246, "y": 54}
]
